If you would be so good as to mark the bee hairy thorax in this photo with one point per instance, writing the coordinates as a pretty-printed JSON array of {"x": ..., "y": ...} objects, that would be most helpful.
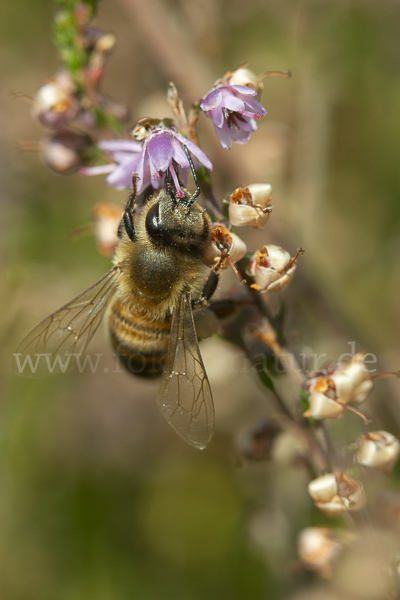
[
  {"x": 165, "y": 259},
  {"x": 163, "y": 262}
]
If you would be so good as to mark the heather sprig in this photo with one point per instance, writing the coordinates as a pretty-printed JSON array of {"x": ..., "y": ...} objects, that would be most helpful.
[{"x": 86, "y": 131}]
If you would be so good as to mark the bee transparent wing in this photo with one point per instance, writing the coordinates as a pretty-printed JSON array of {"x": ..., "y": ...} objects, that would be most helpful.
[
  {"x": 50, "y": 347},
  {"x": 185, "y": 397}
]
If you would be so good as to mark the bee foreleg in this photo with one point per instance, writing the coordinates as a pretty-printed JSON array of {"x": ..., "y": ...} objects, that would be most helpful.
[
  {"x": 209, "y": 287},
  {"x": 129, "y": 226},
  {"x": 129, "y": 212}
]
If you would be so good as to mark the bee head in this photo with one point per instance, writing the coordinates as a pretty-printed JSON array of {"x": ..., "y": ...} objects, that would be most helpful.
[
  {"x": 175, "y": 220},
  {"x": 178, "y": 222}
]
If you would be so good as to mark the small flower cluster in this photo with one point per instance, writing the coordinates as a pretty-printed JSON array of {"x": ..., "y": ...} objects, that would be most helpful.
[
  {"x": 336, "y": 493},
  {"x": 331, "y": 392},
  {"x": 233, "y": 108},
  {"x": 70, "y": 106},
  {"x": 158, "y": 143},
  {"x": 251, "y": 205},
  {"x": 272, "y": 268},
  {"x": 379, "y": 450},
  {"x": 225, "y": 247},
  {"x": 319, "y": 548},
  {"x": 157, "y": 147}
]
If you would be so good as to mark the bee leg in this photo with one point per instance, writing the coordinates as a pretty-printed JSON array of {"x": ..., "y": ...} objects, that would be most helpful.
[
  {"x": 209, "y": 287},
  {"x": 198, "y": 190},
  {"x": 129, "y": 211}
]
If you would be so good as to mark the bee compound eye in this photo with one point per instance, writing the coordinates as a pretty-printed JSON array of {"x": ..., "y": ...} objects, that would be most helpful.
[{"x": 154, "y": 226}]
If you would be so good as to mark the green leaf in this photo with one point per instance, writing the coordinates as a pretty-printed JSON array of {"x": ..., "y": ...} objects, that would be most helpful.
[
  {"x": 304, "y": 400},
  {"x": 67, "y": 36},
  {"x": 107, "y": 119}
]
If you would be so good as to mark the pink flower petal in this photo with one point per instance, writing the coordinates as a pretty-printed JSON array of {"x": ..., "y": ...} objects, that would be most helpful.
[
  {"x": 120, "y": 157},
  {"x": 142, "y": 165},
  {"x": 157, "y": 183},
  {"x": 154, "y": 174},
  {"x": 121, "y": 177},
  {"x": 244, "y": 89},
  {"x": 232, "y": 102},
  {"x": 146, "y": 179},
  {"x": 212, "y": 100},
  {"x": 120, "y": 146},
  {"x": 159, "y": 150},
  {"x": 247, "y": 124},
  {"x": 240, "y": 136},
  {"x": 255, "y": 106},
  {"x": 193, "y": 149},
  {"x": 225, "y": 136},
  {"x": 217, "y": 116},
  {"x": 179, "y": 155},
  {"x": 98, "y": 170}
]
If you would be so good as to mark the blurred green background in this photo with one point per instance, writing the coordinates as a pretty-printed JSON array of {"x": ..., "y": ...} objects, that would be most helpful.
[{"x": 99, "y": 500}]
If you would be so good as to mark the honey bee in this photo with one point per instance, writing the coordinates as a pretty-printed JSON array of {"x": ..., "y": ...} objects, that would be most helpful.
[{"x": 147, "y": 301}]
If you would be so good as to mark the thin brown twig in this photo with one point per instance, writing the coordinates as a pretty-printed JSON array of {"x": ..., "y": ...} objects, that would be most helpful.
[{"x": 268, "y": 330}]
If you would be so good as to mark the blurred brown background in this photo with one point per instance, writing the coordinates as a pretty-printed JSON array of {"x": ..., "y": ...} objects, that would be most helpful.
[{"x": 99, "y": 500}]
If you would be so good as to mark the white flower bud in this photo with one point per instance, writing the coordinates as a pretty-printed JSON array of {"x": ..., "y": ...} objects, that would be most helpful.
[
  {"x": 272, "y": 269},
  {"x": 63, "y": 151},
  {"x": 250, "y": 206},
  {"x": 352, "y": 381},
  {"x": 107, "y": 219},
  {"x": 334, "y": 494},
  {"x": 355, "y": 368},
  {"x": 351, "y": 492},
  {"x": 333, "y": 508},
  {"x": 361, "y": 392},
  {"x": 322, "y": 407},
  {"x": 319, "y": 549},
  {"x": 225, "y": 247},
  {"x": 324, "y": 403},
  {"x": 324, "y": 488},
  {"x": 244, "y": 76},
  {"x": 343, "y": 386},
  {"x": 378, "y": 449},
  {"x": 55, "y": 103},
  {"x": 348, "y": 384},
  {"x": 106, "y": 43}
]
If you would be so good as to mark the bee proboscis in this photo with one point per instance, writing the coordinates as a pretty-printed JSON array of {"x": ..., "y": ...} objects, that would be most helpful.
[{"x": 147, "y": 299}]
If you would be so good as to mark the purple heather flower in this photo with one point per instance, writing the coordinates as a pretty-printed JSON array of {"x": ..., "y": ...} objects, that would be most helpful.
[
  {"x": 233, "y": 112},
  {"x": 161, "y": 149},
  {"x": 126, "y": 154},
  {"x": 149, "y": 160}
]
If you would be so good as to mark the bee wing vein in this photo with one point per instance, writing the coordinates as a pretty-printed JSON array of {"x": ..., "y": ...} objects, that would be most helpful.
[
  {"x": 185, "y": 397},
  {"x": 70, "y": 328}
]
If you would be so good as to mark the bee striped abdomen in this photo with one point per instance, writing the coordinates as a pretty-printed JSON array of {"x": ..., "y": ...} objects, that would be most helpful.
[{"x": 141, "y": 344}]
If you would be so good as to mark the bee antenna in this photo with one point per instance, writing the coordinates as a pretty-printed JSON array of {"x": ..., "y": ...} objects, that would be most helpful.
[
  {"x": 168, "y": 183},
  {"x": 198, "y": 190}
]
